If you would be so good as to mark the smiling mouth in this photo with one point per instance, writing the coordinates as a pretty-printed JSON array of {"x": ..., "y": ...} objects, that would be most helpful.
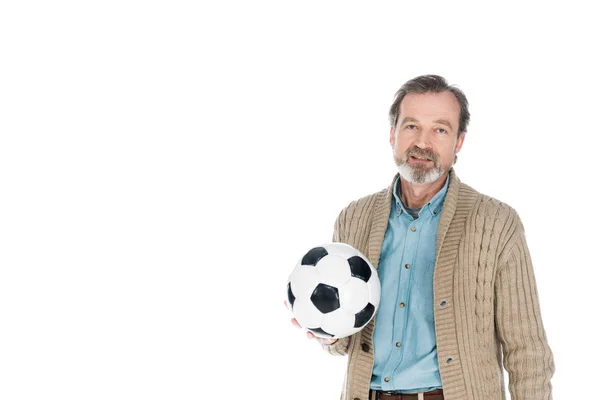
[{"x": 419, "y": 159}]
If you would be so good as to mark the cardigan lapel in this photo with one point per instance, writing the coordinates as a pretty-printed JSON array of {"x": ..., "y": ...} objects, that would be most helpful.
[
  {"x": 381, "y": 215},
  {"x": 448, "y": 210}
]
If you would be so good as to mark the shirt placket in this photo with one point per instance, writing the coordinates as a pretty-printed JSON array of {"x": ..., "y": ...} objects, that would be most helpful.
[{"x": 412, "y": 232}]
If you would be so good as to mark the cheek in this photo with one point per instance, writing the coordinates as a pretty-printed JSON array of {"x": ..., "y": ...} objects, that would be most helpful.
[
  {"x": 447, "y": 155},
  {"x": 402, "y": 144}
]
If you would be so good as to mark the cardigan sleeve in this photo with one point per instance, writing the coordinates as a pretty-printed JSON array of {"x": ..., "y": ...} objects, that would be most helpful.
[
  {"x": 528, "y": 358},
  {"x": 338, "y": 227},
  {"x": 339, "y": 347}
]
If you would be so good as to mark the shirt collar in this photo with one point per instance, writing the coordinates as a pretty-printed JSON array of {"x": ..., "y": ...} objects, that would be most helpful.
[{"x": 434, "y": 206}]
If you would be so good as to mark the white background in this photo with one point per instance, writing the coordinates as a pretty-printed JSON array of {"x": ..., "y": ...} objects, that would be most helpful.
[{"x": 164, "y": 164}]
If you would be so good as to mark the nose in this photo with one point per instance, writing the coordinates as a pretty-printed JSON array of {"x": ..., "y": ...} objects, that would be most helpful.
[{"x": 423, "y": 139}]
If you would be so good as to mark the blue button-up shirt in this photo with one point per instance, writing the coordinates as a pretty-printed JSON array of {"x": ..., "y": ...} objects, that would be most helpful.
[{"x": 404, "y": 337}]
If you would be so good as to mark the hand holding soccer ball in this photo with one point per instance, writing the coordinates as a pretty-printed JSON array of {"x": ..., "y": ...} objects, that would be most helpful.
[{"x": 333, "y": 291}]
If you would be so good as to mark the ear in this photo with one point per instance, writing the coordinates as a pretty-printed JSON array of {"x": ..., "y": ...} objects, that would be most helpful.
[
  {"x": 392, "y": 136},
  {"x": 459, "y": 143}
]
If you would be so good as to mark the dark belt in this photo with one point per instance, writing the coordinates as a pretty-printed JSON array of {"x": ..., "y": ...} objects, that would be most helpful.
[{"x": 437, "y": 394}]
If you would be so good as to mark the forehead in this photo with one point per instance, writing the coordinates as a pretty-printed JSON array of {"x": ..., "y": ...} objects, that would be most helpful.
[{"x": 430, "y": 106}]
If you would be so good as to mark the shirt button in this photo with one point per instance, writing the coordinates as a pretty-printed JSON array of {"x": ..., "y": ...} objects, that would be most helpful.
[
  {"x": 398, "y": 344},
  {"x": 365, "y": 347},
  {"x": 412, "y": 228},
  {"x": 407, "y": 266},
  {"x": 402, "y": 305},
  {"x": 434, "y": 212},
  {"x": 448, "y": 361},
  {"x": 443, "y": 303},
  {"x": 387, "y": 379}
]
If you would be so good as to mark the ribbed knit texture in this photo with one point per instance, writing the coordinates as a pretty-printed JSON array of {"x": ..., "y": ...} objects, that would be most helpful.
[{"x": 486, "y": 304}]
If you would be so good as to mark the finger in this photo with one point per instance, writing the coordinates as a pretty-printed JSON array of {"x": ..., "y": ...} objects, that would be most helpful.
[
  {"x": 296, "y": 323},
  {"x": 327, "y": 340}
]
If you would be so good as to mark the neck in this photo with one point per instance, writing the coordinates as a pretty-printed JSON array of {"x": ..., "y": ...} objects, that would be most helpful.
[{"x": 415, "y": 195}]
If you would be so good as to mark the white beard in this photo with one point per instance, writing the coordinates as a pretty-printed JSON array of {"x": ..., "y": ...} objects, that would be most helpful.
[{"x": 411, "y": 175}]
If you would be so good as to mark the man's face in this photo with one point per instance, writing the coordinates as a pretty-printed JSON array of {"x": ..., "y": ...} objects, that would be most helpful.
[{"x": 425, "y": 141}]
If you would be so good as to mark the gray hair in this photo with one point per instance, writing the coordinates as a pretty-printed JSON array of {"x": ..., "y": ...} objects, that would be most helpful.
[{"x": 431, "y": 84}]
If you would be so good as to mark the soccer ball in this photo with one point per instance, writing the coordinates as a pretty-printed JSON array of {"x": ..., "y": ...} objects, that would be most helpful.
[{"x": 333, "y": 291}]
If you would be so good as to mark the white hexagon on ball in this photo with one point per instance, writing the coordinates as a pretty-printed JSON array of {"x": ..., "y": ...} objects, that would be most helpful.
[
  {"x": 306, "y": 278},
  {"x": 341, "y": 249},
  {"x": 333, "y": 270},
  {"x": 354, "y": 295}
]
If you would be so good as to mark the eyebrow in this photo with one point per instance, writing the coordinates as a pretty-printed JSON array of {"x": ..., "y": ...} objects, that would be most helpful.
[
  {"x": 437, "y": 121},
  {"x": 444, "y": 122}
]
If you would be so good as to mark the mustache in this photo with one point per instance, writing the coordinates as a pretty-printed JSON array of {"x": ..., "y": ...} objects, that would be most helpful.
[{"x": 421, "y": 153}]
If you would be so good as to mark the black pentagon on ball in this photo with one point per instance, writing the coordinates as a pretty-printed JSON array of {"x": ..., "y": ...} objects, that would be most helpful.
[
  {"x": 313, "y": 256},
  {"x": 364, "y": 315},
  {"x": 359, "y": 268},
  {"x": 320, "y": 331},
  {"x": 326, "y": 298},
  {"x": 291, "y": 297}
]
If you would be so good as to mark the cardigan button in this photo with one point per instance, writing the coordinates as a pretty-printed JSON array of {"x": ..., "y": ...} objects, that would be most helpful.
[{"x": 365, "y": 347}]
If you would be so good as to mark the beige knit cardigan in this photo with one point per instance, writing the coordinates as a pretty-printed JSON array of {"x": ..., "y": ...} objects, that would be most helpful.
[{"x": 485, "y": 299}]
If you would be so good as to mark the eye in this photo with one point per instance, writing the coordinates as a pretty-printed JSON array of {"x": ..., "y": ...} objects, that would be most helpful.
[
  {"x": 441, "y": 130},
  {"x": 411, "y": 126}
]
